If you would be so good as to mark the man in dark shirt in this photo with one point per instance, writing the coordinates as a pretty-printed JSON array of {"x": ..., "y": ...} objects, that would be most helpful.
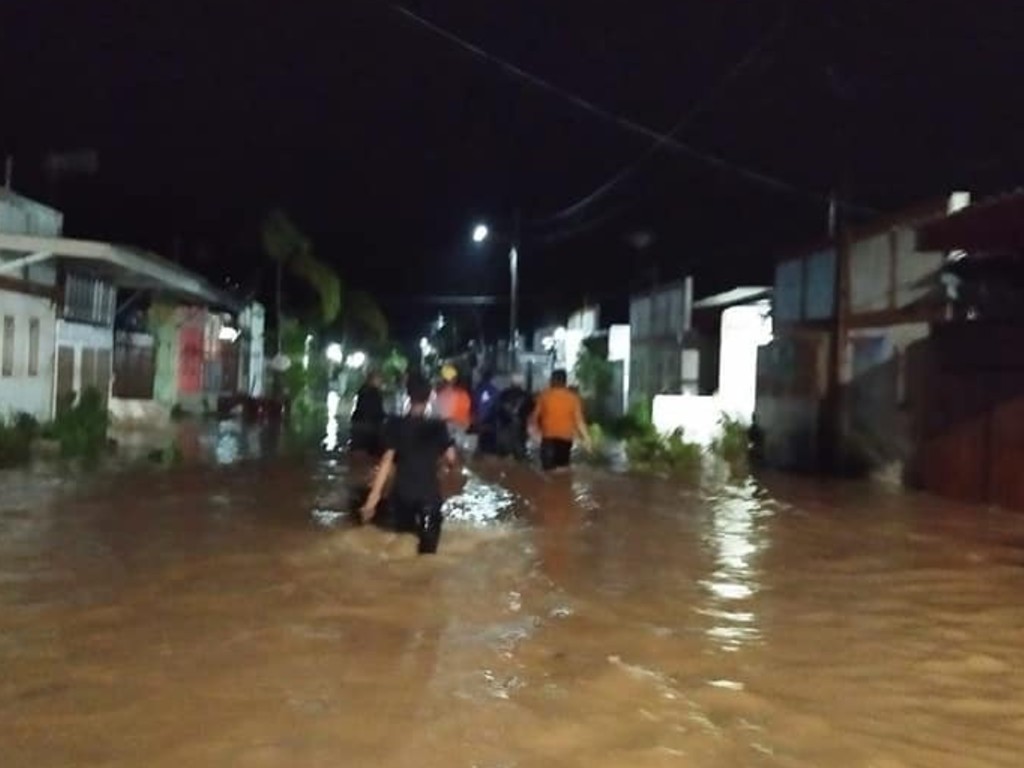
[
  {"x": 414, "y": 445},
  {"x": 513, "y": 411},
  {"x": 368, "y": 416}
]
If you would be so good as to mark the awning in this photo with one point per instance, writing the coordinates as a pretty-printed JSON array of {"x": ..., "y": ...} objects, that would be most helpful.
[
  {"x": 742, "y": 295},
  {"x": 991, "y": 225},
  {"x": 124, "y": 266}
]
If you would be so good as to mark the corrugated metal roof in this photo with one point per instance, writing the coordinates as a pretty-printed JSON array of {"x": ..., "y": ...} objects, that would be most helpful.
[{"x": 740, "y": 295}]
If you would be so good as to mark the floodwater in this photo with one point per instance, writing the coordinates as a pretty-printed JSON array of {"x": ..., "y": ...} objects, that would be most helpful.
[{"x": 230, "y": 616}]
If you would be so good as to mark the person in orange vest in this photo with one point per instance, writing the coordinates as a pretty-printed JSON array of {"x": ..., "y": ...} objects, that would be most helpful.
[
  {"x": 454, "y": 404},
  {"x": 558, "y": 418}
]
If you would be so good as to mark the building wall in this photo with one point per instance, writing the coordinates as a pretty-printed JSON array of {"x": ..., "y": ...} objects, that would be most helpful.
[
  {"x": 21, "y": 391},
  {"x": 253, "y": 324},
  {"x": 658, "y": 338},
  {"x": 745, "y": 329},
  {"x": 878, "y": 429},
  {"x": 791, "y": 382}
]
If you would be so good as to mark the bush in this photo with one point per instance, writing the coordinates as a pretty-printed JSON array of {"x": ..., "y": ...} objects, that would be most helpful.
[
  {"x": 633, "y": 424},
  {"x": 732, "y": 443},
  {"x": 652, "y": 451},
  {"x": 81, "y": 429},
  {"x": 16, "y": 436}
]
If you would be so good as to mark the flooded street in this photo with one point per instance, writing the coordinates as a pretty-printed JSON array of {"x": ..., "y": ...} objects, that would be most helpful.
[{"x": 230, "y": 616}]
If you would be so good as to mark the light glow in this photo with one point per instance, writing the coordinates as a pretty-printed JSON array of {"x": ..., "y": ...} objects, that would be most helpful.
[
  {"x": 480, "y": 233},
  {"x": 335, "y": 354}
]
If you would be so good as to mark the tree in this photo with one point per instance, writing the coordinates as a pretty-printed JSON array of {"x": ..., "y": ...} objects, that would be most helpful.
[
  {"x": 291, "y": 250},
  {"x": 363, "y": 321},
  {"x": 595, "y": 376}
]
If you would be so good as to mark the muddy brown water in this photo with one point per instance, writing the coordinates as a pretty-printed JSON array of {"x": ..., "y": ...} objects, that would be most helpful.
[{"x": 229, "y": 616}]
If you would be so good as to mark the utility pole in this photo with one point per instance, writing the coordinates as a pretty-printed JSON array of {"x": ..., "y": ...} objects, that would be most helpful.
[
  {"x": 513, "y": 313},
  {"x": 834, "y": 431}
]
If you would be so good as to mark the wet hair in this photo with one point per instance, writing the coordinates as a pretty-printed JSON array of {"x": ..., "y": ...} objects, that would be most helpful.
[
  {"x": 559, "y": 378},
  {"x": 418, "y": 389}
]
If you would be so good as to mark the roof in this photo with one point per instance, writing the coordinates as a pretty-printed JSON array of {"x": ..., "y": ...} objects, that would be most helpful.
[
  {"x": 995, "y": 224},
  {"x": 125, "y": 266},
  {"x": 10, "y": 196},
  {"x": 741, "y": 295},
  {"x": 910, "y": 216}
]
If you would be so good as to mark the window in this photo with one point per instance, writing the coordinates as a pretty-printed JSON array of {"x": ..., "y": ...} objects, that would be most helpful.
[
  {"x": 7, "y": 365},
  {"x": 88, "y": 300},
  {"x": 33, "y": 346}
]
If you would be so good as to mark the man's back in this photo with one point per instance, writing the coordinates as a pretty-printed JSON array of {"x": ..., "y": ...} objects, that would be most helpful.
[{"x": 418, "y": 443}]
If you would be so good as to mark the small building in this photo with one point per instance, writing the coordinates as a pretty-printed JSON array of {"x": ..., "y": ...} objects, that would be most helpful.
[
  {"x": 831, "y": 387},
  {"x": 965, "y": 387},
  {"x": 58, "y": 304}
]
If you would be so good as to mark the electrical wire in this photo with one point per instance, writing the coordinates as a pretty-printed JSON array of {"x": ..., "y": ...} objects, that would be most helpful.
[
  {"x": 624, "y": 123},
  {"x": 685, "y": 119}
]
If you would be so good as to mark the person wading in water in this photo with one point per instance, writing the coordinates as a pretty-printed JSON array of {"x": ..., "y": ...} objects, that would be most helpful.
[
  {"x": 414, "y": 446},
  {"x": 368, "y": 416},
  {"x": 558, "y": 417}
]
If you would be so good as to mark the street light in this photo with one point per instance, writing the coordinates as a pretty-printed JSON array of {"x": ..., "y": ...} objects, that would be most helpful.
[
  {"x": 356, "y": 360},
  {"x": 481, "y": 233}
]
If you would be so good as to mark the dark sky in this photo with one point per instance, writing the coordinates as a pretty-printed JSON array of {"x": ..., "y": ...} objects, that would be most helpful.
[{"x": 386, "y": 142}]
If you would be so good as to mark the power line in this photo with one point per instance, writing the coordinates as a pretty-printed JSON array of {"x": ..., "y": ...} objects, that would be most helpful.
[
  {"x": 685, "y": 119},
  {"x": 624, "y": 123}
]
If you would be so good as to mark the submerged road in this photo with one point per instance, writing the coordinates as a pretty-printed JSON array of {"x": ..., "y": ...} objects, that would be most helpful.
[{"x": 229, "y": 616}]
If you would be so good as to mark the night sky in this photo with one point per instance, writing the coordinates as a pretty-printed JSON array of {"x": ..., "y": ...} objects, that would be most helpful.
[{"x": 386, "y": 141}]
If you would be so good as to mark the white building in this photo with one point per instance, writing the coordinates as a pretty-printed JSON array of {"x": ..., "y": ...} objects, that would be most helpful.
[
  {"x": 28, "y": 316},
  {"x": 58, "y": 301}
]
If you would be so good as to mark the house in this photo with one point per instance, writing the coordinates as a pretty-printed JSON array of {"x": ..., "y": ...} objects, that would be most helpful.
[
  {"x": 28, "y": 293},
  {"x": 966, "y": 385},
  {"x": 831, "y": 386},
  {"x": 58, "y": 303},
  {"x": 201, "y": 354}
]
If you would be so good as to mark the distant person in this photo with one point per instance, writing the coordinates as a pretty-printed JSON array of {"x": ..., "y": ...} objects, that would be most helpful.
[
  {"x": 368, "y": 416},
  {"x": 512, "y": 414},
  {"x": 416, "y": 447},
  {"x": 485, "y": 402},
  {"x": 558, "y": 418},
  {"x": 454, "y": 405}
]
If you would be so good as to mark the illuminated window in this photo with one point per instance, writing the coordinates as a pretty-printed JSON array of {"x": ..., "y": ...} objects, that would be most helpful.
[
  {"x": 7, "y": 366},
  {"x": 33, "y": 346}
]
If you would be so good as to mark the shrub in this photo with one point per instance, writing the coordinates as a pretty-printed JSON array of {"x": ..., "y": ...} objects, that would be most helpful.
[
  {"x": 81, "y": 429},
  {"x": 732, "y": 443},
  {"x": 631, "y": 425},
  {"x": 665, "y": 453}
]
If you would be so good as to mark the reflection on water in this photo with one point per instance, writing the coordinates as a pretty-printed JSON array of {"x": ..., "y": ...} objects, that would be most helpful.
[
  {"x": 735, "y": 541},
  {"x": 227, "y": 614},
  {"x": 332, "y": 439}
]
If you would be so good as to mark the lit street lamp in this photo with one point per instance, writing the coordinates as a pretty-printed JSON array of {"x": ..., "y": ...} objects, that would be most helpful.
[{"x": 481, "y": 233}]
